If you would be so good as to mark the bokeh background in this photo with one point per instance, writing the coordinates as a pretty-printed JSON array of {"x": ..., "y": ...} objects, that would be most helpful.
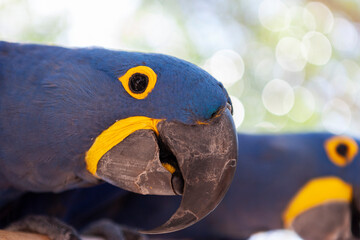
[{"x": 290, "y": 65}]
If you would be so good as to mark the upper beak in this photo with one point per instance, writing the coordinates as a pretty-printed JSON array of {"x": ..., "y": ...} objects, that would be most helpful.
[{"x": 200, "y": 162}]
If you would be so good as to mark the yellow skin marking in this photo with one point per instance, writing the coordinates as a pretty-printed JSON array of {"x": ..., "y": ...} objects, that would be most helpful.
[
  {"x": 316, "y": 192},
  {"x": 331, "y": 145},
  {"x": 168, "y": 167},
  {"x": 114, "y": 135},
  {"x": 143, "y": 70},
  {"x": 218, "y": 114},
  {"x": 123, "y": 128},
  {"x": 202, "y": 123}
]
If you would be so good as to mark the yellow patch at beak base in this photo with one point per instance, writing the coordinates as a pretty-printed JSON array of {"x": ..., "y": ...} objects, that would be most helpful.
[
  {"x": 114, "y": 135},
  {"x": 316, "y": 192}
]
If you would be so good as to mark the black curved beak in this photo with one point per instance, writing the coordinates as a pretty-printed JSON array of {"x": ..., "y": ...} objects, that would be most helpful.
[
  {"x": 197, "y": 161},
  {"x": 206, "y": 156}
]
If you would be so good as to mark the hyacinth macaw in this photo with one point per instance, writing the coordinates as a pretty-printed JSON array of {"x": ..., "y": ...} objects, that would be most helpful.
[
  {"x": 147, "y": 123},
  {"x": 307, "y": 182}
]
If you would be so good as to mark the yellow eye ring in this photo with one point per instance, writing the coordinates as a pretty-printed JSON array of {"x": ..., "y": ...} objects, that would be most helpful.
[
  {"x": 341, "y": 150},
  {"x": 139, "y": 81}
]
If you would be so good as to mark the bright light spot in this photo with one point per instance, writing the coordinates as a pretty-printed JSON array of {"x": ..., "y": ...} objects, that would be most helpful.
[
  {"x": 272, "y": 126},
  {"x": 344, "y": 36},
  {"x": 226, "y": 66},
  {"x": 257, "y": 52},
  {"x": 268, "y": 126},
  {"x": 336, "y": 116},
  {"x": 292, "y": 78},
  {"x": 316, "y": 48},
  {"x": 301, "y": 17},
  {"x": 19, "y": 19},
  {"x": 205, "y": 25},
  {"x": 288, "y": 54},
  {"x": 324, "y": 19},
  {"x": 352, "y": 69},
  {"x": 43, "y": 8},
  {"x": 79, "y": 23},
  {"x": 356, "y": 100},
  {"x": 304, "y": 105},
  {"x": 239, "y": 112},
  {"x": 322, "y": 87},
  {"x": 276, "y": 235},
  {"x": 158, "y": 29},
  {"x": 254, "y": 107},
  {"x": 339, "y": 80},
  {"x": 274, "y": 15},
  {"x": 263, "y": 70},
  {"x": 96, "y": 23},
  {"x": 353, "y": 73},
  {"x": 278, "y": 97}
]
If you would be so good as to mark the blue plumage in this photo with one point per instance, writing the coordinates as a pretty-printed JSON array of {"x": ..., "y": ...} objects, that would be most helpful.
[
  {"x": 55, "y": 101},
  {"x": 271, "y": 170}
]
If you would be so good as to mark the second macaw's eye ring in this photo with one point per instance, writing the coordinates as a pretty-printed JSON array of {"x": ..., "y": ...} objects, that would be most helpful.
[
  {"x": 138, "y": 83},
  {"x": 341, "y": 150}
]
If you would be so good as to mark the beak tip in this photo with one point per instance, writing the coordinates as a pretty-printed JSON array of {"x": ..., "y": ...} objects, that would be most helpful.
[{"x": 180, "y": 220}]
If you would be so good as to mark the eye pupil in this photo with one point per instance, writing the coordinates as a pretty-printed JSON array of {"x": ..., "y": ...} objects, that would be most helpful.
[
  {"x": 138, "y": 82},
  {"x": 342, "y": 149}
]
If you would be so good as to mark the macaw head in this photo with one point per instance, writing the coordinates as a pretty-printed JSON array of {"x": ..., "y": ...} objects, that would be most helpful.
[
  {"x": 326, "y": 172},
  {"x": 165, "y": 128}
]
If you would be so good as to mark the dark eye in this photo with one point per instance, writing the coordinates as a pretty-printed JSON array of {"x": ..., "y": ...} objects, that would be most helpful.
[
  {"x": 138, "y": 83},
  {"x": 342, "y": 149}
]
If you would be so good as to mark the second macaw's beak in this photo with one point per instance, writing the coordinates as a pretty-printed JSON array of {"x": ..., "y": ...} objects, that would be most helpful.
[{"x": 197, "y": 161}]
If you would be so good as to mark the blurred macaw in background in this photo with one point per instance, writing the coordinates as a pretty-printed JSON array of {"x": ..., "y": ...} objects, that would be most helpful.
[
  {"x": 147, "y": 123},
  {"x": 308, "y": 182}
]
